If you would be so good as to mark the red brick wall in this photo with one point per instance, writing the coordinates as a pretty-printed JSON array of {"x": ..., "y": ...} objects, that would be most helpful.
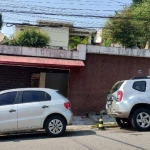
[{"x": 88, "y": 87}]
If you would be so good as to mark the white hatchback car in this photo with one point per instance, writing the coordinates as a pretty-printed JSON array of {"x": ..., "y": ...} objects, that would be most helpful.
[{"x": 34, "y": 108}]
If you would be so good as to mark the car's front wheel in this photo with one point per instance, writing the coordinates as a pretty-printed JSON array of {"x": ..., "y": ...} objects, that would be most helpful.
[
  {"x": 55, "y": 126},
  {"x": 141, "y": 119},
  {"x": 123, "y": 122}
]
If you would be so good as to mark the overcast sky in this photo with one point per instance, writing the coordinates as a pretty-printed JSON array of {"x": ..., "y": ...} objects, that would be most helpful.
[{"x": 76, "y": 7}]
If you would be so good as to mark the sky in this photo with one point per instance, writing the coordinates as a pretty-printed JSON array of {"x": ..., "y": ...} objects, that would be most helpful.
[{"x": 10, "y": 10}]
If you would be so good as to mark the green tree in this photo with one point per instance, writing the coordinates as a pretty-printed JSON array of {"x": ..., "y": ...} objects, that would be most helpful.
[
  {"x": 30, "y": 37},
  {"x": 75, "y": 40},
  {"x": 137, "y": 1},
  {"x": 1, "y": 21},
  {"x": 141, "y": 15},
  {"x": 121, "y": 29},
  {"x": 106, "y": 43},
  {"x": 130, "y": 26}
]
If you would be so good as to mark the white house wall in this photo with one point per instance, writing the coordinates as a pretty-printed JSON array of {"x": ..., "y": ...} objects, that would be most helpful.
[
  {"x": 98, "y": 36},
  {"x": 59, "y": 37}
]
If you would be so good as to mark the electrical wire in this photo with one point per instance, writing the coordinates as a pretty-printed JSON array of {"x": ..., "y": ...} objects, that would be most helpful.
[
  {"x": 68, "y": 15},
  {"x": 72, "y": 12}
]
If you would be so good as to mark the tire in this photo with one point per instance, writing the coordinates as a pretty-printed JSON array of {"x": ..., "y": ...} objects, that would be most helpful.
[
  {"x": 141, "y": 119},
  {"x": 55, "y": 126},
  {"x": 123, "y": 122}
]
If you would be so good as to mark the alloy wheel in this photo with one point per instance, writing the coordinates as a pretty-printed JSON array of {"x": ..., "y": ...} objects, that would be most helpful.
[
  {"x": 143, "y": 120},
  {"x": 55, "y": 126}
]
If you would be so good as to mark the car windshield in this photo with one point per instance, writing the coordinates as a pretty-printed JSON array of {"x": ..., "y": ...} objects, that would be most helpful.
[{"x": 116, "y": 86}]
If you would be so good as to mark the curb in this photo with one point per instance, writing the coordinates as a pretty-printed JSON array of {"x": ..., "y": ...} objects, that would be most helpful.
[
  {"x": 111, "y": 125},
  {"x": 78, "y": 127},
  {"x": 107, "y": 125}
]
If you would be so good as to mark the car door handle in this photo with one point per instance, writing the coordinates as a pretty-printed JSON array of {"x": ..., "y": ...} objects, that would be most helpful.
[
  {"x": 45, "y": 106},
  {"x": 12, "y": 110}
]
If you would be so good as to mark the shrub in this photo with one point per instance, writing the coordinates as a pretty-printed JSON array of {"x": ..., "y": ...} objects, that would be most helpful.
[{"x": 30, "y": 37}]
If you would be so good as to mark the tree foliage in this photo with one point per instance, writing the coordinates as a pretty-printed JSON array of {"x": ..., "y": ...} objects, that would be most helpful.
[
  {"x": 30, "y": 37},
  {"x": 75, "y": 40},
  {"x": 141, "y": 15},
  {"x": 1, "y": 21},
  {"x": 130, "y": 26},
  {"x": 137, "y": 1},
  {"x": 121, "y": 30}
]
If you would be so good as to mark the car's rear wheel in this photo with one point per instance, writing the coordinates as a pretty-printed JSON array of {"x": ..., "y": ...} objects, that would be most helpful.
[
  {"x": 123, "y": 122},
  {"x": 141, "y": 119},
  {"x": 55, "y": 126}
]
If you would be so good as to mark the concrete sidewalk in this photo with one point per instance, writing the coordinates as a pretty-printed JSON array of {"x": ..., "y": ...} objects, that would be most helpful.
[
  {"x": 106, "y": 119},
  {"x": 92, "y": 119},
  {"x": 82, "y": 120}
]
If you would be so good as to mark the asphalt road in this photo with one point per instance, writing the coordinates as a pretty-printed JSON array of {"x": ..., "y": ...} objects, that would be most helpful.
[{"x": 79, "y": 139}]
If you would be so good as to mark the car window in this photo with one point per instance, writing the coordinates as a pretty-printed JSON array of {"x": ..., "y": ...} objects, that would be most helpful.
[
  {"x": 47, "y": 96},
  {"x": 140, "y": 86},
  {"x": 8, "y": 98},
  {"x": 35, "y": 96},
  {"x": 116, "y": 87}
]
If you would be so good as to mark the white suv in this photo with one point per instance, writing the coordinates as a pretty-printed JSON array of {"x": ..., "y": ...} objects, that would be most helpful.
[
  {"x": 34, "y": 108},
  {"x": 129, "y": 102}
]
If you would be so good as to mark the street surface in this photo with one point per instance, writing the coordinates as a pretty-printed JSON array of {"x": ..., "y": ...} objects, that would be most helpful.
[{"x": 79, "y": 138}]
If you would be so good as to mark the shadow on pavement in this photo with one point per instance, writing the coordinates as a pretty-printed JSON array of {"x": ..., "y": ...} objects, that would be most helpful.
[
  {"x": 79, "y": 133},
  {"x": 23, "y": 136},
  {"x": 40, "y": 135},
  {"x": 129, "y": 130}
]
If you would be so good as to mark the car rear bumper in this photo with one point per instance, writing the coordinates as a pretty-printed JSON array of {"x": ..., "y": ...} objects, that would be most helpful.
[
  {"x": 69, "y": 116},
  {"x": 117, "y": 113}
]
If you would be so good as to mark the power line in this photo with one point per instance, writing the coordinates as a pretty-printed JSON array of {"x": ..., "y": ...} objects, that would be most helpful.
[
  {"x": 51, "y": 14},
  {"x": 62, "y": 8},
  {"x": 56, "y": 8},
  {"x": 29, "y": 5},
  {"x": 69, "y": 15},
  {"x": 85, "y": 2},
  {"x": 9, "y": 24},
  {"x": 58, "y": 19},
  {"x": 60, "y": 14}
]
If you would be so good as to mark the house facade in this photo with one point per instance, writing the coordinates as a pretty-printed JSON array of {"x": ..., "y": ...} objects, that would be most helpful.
[
  {"x": 35, "y": 67},
  {"x": 60, "y": 33},
  {"x": 84, "y": 76}
]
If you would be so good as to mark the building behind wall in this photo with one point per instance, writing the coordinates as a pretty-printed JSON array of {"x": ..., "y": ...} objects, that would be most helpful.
[
  {"x": 60, "y": 32},
  {"x": 19, "y": 70}
]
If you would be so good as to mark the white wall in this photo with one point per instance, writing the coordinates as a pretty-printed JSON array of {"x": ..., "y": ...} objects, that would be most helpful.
[
  {"x": 43, "y": 52},
  {"x": 59, "y": 37},
  {"x": 98, "y": 36},
  {"x": 114, "y": 51}
]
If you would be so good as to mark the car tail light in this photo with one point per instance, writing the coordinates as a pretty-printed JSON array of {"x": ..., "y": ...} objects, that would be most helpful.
[
  {"x": 119, "y": 96},
  {"x": 67, "y": 105}
]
